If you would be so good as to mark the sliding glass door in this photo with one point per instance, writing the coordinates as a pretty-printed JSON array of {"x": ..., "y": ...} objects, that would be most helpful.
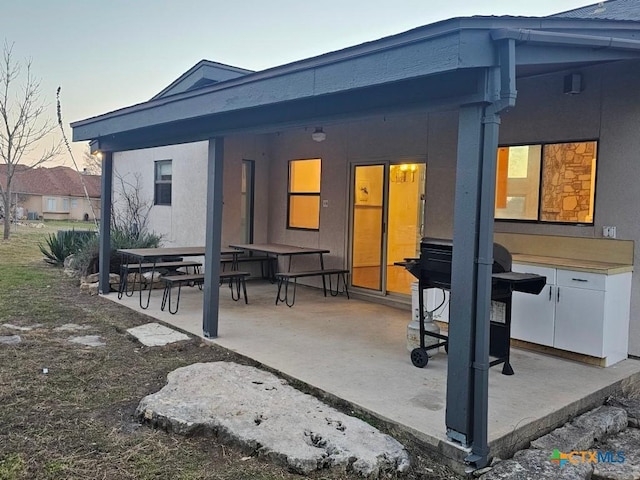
[{"x": 387, "y": 223}]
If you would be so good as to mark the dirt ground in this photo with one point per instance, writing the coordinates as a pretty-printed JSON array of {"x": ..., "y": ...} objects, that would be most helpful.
[{"x": 77, "y": 420}]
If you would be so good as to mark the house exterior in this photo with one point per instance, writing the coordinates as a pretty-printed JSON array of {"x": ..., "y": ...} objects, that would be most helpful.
[
  {"x": 522, "y": 129},
  {"x": 55, "y": 193}
]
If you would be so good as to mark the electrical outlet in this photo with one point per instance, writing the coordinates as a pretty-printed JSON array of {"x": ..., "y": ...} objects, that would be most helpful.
[
  {"x": 609, "y": 232},
  {"x": 325, "y": 203}
]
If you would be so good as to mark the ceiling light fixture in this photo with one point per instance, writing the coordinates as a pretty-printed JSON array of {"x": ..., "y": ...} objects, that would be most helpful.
[{"x": 318, "y": 135}]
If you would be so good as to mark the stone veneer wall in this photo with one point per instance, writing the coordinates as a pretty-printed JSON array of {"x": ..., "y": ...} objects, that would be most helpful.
[{"x": 567, "y": 182}]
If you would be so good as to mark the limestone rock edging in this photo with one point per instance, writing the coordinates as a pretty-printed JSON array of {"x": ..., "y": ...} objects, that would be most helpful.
[{"x": 261, "y": 413}]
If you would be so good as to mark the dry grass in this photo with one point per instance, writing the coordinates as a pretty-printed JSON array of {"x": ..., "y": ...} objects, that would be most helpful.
[{"x": 76, "y": 421}]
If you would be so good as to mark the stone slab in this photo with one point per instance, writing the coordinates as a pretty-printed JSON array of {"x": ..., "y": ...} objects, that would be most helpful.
[
  {"x": 565, "y": 438},
  {"x": 156, "y": 335},
  {"x": 21, "y": 328},
  {"x": 267, "y": 417},
  {"x": 72, "y": 327},
  {"x": 88, "y": 340},
  {"x": 632, "y": 407},
  {"x": 10, "y": 339},
  {"x": 537, "y": 465},
  {"x": 602, "y": 421},
  {"x": 627, "y": 467}
]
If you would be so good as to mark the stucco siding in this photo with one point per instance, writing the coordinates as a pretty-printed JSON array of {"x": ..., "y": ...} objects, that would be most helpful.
[
  {"x": 181, "y": 223},
  {"x": 618, "y": 195},
  {"x": 392, "y": 137},
  {"x": 607, "y": 110}
]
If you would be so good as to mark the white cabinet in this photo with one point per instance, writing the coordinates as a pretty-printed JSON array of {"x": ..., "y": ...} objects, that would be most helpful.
[
  {"x": 580, "y": 312},
  {"x": 532, "y": 316}
]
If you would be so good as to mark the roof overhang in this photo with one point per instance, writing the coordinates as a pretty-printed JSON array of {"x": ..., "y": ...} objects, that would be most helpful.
[{"x": 432, "y": 66}]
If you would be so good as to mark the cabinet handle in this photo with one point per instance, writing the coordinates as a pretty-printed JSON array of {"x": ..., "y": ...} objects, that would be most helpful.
[
  {"x": 579, "y": 280},
  {"x": 550, "y": 288},
  {"x": 558, "y": 294}
]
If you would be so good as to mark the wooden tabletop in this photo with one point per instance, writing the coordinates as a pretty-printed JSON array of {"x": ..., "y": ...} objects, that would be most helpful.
[
  {"x": 278, "y": 249},
  {"x": 144, "y": 253}
]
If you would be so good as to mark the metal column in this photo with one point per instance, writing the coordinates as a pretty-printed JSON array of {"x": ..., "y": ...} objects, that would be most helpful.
[
  {"x": 213, "y": 237},
  {"x": 464, "y": 271},
  {"x": 469, "y": 322},
  {"x": 104, "y": 261}
]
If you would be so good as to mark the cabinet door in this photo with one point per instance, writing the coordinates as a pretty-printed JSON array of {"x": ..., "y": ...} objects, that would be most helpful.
[
  {"x": 579, "y": 320},
  {"x": 532, "y": 316}
]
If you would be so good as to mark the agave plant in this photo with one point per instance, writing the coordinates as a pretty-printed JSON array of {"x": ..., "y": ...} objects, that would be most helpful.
[{"x": 58, "y": 247}]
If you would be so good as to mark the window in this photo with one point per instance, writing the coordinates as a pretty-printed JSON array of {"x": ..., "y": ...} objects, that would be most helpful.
[
  {"x": 163, "y": 183},
  {"x": 74, "y": 203},
  {"x": 552, "y": 182},
  {"x": 304, "y": 194},
  {"x": 65, "y": 204},
  {"x": 51, "y": 204}
]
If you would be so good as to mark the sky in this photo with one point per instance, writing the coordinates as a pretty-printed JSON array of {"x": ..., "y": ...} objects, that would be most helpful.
[{"x": 109, "y": 54}]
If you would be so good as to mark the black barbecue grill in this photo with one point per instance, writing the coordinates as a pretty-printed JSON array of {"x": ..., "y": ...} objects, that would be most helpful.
[{"x": 433, "y": 270}]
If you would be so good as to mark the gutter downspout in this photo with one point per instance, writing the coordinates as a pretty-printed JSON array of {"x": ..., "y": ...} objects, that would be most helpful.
[
  {"x": 564, "y": 39},
  {"x": 503, "y": 78},
  {"x": 506, "y": 40}
]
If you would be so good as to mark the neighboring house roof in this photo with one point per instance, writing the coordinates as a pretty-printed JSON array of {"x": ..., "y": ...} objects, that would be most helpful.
[
  {"x": 611, "y": 10},
  {"x": 202, "y": 74},
  {"x": 56, "y": 181}
]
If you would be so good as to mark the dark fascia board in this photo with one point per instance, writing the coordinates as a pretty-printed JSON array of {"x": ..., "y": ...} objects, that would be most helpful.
[
  {"x": 437, "y": 92},
  {"x": 217, "y": 72},
  {"x": 437, "y": 48}
]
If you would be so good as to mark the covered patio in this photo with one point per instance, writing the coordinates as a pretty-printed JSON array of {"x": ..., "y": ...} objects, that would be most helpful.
[
  {"x": 463, "y": 67},
  {"x": 356, "y": 351}
]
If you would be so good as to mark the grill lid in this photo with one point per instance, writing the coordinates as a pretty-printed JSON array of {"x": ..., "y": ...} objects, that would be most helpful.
[{"x": 436, "y": 257}]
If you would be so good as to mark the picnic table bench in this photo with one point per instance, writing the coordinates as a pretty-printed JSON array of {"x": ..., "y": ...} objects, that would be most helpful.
[
  {"x": 127, "y": 268},
  {"x": 236, "y": 280},
  {"x": 284, "y": 279}
]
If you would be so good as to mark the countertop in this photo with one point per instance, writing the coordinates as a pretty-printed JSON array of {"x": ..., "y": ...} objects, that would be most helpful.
[{"x": 572, "y": 264}]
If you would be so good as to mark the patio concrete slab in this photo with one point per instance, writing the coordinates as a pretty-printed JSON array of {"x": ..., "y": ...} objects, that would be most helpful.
[
  {"x": 156, "y": 335},
  {"x": 356, "y": 351}
]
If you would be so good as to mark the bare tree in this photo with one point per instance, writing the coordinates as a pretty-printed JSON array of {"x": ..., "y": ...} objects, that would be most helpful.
[
  {"x": 23, "y": 125},
  {"x": 129, "y": 209},
  {"x": 93, "y": 163}
]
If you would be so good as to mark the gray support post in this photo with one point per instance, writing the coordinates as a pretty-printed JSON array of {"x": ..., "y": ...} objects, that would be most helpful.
[
  {"x": 105, "y": 223},
  {"x": 462, "y": 310},
  {"x": 213, "y": 238},
  {"x": 471, "y": 283},
  {"x": 486, "y": 209}
]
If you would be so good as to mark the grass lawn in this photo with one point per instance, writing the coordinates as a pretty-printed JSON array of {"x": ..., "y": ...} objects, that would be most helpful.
[{"x": 76, "y": 421}]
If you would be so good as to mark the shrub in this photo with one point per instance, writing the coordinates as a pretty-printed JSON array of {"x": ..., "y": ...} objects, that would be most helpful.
[
  {"x": 58, "y": 247},
  {"x": 87, "y": 258}
]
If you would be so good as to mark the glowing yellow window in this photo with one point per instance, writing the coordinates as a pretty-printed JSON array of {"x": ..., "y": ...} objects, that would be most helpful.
[{"x": 304, "y": 194}]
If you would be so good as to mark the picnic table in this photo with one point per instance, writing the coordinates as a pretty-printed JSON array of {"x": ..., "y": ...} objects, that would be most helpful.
[
  {"x": 279, "y": 250},
  {"x": 149, "y": 260}
]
